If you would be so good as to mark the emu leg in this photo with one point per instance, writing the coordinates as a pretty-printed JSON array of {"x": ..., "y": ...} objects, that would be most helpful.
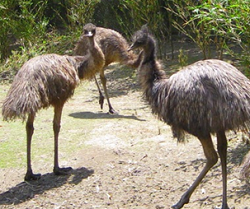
[
  {"x": 212, "y": 158},
  {"x": 56, "y": 127},
  {"x": 101, "y": 97},
  {"x": 104, "y": 81},
  {"x": 222, "y": 150},
  {"x": 29, "y": 132}
]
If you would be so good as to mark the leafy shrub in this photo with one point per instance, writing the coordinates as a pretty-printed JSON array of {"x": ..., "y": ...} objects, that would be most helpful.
[{"x": 214, "y": 23}]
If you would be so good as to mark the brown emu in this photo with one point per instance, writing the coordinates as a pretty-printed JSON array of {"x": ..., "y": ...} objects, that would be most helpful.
[
  {"x": 114, "y": 47},
  {"x": 207, "y": 97},
  {"x": 49, "y": 80}
]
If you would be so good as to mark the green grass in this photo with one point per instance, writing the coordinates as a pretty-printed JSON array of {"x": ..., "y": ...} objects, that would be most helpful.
[
  {"x": 13, "y": 136},
  {"x": 12, "y": 152},
  {"x": 83, "y": 124}
]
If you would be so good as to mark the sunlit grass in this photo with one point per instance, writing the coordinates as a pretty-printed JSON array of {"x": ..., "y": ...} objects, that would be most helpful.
[
  {"x": 13, "y": 135},
  {"x": 83, "y": 124}
]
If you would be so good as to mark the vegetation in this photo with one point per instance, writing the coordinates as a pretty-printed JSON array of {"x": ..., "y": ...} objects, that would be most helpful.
[
  {"x": 218, "y": 24},
  {"x": 32, "y": 27}
]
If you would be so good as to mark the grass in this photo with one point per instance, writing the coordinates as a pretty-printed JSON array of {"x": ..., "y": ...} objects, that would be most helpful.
[
  {"x": 82, "y": 125},
  {"x": 119, "y": 150},
  {"x": 11, "y": 153},
  {"x": 82, "y": 122},
  {"x": 13, "y": 136}
]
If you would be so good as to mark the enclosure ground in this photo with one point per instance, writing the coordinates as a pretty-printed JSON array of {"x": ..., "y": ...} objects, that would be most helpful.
[{"x": 129, "y": 160}]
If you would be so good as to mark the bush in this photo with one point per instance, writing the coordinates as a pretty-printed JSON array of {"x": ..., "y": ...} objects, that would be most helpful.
[
  {"x": 214, "y": 23},
  {"x": 32, "y": 27}
]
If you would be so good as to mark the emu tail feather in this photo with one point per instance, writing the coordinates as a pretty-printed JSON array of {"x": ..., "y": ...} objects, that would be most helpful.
[
  {"x": 22, "y": 99},
  {"x": 42, "y": 81}
]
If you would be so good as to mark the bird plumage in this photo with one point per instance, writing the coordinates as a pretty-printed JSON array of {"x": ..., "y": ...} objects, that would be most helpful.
[{"x": 207, "y": 97}]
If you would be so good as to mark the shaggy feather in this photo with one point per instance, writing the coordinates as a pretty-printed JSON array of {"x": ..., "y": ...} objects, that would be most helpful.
[
  {"x": 49, "y": 80},
  {"x": 202, "y": 98},
  {"x": 113, "y": 45},
  {"x": 207, "y": 97},
  {"x": 42, "y": 81}
]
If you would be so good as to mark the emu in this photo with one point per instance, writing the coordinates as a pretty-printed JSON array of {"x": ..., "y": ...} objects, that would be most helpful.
[
  {"x": 114, "y": 47},
  {"x": 49, "y": 80},
  {"x": 207, "y": 97}
]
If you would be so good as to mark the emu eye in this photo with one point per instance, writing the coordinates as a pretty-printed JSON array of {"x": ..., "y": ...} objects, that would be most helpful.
[{"x": 139, "y": 41}]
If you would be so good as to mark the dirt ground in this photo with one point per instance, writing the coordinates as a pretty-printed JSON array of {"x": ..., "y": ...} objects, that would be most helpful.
[{"x": 123, "y": 161}]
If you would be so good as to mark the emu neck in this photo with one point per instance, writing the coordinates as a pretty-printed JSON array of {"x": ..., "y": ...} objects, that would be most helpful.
[
  {"x": 96, "y": 53},
  {"x": 92, "y": 44},
  {"x": 150, "y": 71},
  {"x": 149, "y": 50},
  {"x": 94, "y": 61}
]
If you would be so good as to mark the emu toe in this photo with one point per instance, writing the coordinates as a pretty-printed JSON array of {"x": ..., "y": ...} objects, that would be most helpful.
[
  {"x": 177, "y": 205},
  {"x": 184, "y": 200},
  {"x": 223, "y": 207},
  {"x": 61, "y": 171},
  {"x": 112, "y": 112},
  {"x": 30, "y": 176}
]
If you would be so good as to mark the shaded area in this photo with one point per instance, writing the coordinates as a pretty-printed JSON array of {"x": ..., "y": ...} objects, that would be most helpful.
[
  {"x": 237, "y": 192},
  {"x": 235, "y": 158},
  {"x": 244, "y": 191},
  {"x": 236, "y": 155},
  {"x": 120, "y": 80},
  {"x": 25, "y": 191},
  {"x": 100, "y": 115}
]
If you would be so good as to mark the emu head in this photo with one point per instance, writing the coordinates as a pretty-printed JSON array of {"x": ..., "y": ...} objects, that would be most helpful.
[
  {"x": 89, "y": 30},
  {"x": 140, "y": 38}
]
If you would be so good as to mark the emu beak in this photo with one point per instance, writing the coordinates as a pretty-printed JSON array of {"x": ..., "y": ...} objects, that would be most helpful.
[
  {"x": 132, "y": 46},
  {"x": 89, "y": 34}
]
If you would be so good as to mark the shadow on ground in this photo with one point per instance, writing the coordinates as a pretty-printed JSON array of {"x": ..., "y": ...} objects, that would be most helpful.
[
  {"x": 100, "y": 115},
  {"x": 237, "y": 154},
  {"x": 120, "y": 80},
  {"x": 25, "y": 191}
]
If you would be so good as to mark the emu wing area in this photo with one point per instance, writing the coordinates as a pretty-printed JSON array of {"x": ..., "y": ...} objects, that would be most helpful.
[
  {"x": 42, "y": 81},
  {"x": 206, "y": 97}
]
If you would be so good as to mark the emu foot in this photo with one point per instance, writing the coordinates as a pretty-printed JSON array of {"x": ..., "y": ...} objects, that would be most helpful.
[
  {"x": 112, "y": 112},
  {"x": 61, "y": 171},
  {"x": 224, "y": 206},
  {"x": 101, "y": 101},
  {"x": 30, "y": 176},
  {"x": 184, "y": 200}
]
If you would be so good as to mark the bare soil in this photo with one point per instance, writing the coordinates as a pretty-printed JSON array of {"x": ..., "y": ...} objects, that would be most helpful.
[{"x": 129, "y": 160}]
